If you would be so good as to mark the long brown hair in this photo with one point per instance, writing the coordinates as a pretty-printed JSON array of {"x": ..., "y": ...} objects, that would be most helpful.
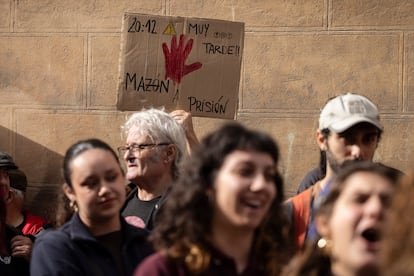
[{"x": 183, "y": 229}]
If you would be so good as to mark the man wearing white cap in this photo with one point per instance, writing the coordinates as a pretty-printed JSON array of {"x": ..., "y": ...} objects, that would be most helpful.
[{"x": 349, "y": 129}]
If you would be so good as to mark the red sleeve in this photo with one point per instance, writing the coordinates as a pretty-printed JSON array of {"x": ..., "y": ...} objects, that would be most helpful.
[
  {"x": 33, "y": 224},
  {"x": 301, "y": 214}
]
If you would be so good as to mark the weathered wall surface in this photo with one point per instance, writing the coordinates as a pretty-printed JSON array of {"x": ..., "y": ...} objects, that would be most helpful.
[{"x": 59, "y": 68}]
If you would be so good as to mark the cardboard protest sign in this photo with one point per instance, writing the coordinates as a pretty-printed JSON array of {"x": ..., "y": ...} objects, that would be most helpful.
[{"x": 180, "y": 63}]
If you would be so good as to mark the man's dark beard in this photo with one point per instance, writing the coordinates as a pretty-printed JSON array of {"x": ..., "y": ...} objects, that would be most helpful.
[{"x": 334, "y": 164}]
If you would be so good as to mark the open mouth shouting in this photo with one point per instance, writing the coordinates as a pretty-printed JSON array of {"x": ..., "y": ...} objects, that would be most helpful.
[{"x": 372, "y": 237}]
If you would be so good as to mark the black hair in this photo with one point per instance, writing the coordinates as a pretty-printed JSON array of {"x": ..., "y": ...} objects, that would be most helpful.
[{"x": 80, "y": 147}]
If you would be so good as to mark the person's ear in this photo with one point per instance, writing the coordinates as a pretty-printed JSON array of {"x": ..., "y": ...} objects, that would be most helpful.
[
  {"x": 10, "y": 196},
  {"x": 322, "y": 225},
  {"x": 170, "y": 153},
  {"x": 69, "y": 192},
  {"x": 322, "y": 142}
]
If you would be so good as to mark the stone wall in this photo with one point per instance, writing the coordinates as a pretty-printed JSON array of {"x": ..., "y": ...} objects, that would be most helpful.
[{"x": 59, "y": 68}]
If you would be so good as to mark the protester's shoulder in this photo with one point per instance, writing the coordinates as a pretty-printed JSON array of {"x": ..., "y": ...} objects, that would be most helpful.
[
  {"x": 315, "y": 175},
  {"x": 158, "y": 264},
  {"x": 54, "y": 237},
  {"x": 55, "y": 253},
  {"x": 310, "y": 179},
  {"x": 299, "y": 201},
  {"x": 35, "y": 224},
  {"x": 51, "y": 234},
  {"x": 156, "y": 259},
  {"x": 130, "y": 195},
  {"x": 304, "y": 194}
]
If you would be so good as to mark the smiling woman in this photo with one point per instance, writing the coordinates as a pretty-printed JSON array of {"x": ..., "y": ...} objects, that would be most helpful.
[
  {"x": 349, "y": 223},
  {"x": 96, "y": 240},
  {"x": 224, "y": 215}
]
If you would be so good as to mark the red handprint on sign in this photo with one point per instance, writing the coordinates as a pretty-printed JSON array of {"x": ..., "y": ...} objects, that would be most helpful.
[{"x": 175, "y": 59}]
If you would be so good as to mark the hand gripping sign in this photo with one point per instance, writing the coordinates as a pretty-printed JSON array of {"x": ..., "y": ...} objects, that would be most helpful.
[{"x": 180, "y": 63}]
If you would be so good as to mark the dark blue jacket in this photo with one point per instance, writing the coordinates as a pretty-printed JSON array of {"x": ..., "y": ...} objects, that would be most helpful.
[{"x": 72, "y": 250}]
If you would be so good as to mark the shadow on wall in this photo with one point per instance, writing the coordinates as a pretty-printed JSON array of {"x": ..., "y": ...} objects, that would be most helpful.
[{"x": 43, "y": 170}]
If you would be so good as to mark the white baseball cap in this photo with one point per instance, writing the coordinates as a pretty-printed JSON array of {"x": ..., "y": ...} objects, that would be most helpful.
[{"x": 347, "y": 110}]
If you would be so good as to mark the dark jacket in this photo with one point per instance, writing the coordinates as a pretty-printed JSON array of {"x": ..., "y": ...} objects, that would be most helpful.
[
  {"x": 310, "y": 179},
  {"x": 72, "y": 250},
  {"x": 9, "y": 265}
]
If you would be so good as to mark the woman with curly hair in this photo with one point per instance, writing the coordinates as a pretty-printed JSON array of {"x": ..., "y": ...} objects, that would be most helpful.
[
  {"x": 398, "y": 237},
  {"x": 224, "y": 214},
  {"x": 349, "y": 223}
]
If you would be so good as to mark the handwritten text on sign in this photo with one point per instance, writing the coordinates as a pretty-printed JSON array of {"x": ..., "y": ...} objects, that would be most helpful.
[{"x": 180, "y": 63}]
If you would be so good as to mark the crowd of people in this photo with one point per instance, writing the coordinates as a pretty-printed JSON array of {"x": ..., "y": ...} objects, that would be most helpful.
[{"x": 168, "y": 204}]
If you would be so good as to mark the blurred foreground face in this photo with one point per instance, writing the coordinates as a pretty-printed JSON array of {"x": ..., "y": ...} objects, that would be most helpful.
[
  {"x": 244, "y": 189},
  {"x": 98, "y": 185},
  {"x": 357, "y": 216}
]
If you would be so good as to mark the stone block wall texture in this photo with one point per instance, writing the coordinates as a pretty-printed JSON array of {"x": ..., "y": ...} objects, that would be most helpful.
[{"x": 59, "y": 70}]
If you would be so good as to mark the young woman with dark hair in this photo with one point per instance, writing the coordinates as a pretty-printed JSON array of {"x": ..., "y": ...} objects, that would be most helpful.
[{"x": 96, "y": 240}]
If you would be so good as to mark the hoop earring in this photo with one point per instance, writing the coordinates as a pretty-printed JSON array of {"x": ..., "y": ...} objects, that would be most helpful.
[
  {"x": 73, "y": 206},
  {"x": 325, "y": 246}
]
